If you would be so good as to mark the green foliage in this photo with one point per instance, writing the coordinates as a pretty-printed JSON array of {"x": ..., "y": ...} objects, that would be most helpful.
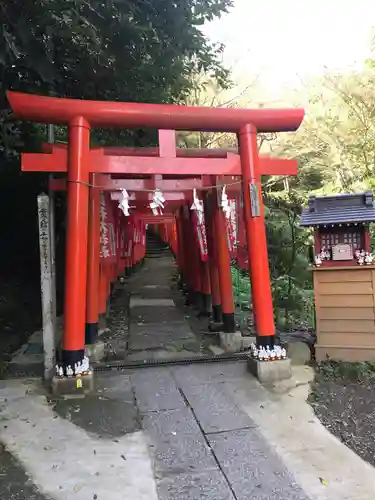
[
  {"x": 288, "y": 254},
  {"x": 339, "y": 370},
  {"x": 336, "y": 154},
  {"x": 118, "y": 50},
  {"x": 128, "y": 50}
]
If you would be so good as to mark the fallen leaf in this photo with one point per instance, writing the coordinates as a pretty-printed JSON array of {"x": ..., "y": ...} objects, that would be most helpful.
[{"x": 323, "y": 481}]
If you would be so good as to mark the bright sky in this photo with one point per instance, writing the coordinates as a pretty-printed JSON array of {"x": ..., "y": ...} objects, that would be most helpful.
[{"x": 283, "y": 41}]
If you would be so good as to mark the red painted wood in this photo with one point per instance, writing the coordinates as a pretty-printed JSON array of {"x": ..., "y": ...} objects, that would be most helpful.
[
  {"x": 76, "y": 236},
  {"x": 256, "y": 235},
  {"x": 93, "y": 255},
  {"x": 44, "y": 109}
]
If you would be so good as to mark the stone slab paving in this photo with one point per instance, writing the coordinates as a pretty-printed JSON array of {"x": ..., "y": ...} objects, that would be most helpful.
[
  {"x": 159, "y": 335},
  {"x": 203, "y": 486},
  {"x": 205, "y": 373},
  {"x": 147, "y": 302},
  {"x": 252, "y": 468},
  {"x": 203, "y": 444},
  {"x": 216, "y": 411},
  {"x": 178, "y": 446},
  {"x": 155, "y": 292},
  {"x": 156, "y": 391},
  {"x": 152, "y": 314},
  {"x": 157, "y": 328}
]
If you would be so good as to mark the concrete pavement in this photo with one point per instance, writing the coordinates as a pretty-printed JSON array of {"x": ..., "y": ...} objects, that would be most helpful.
[{"x": 181, "y": 433}]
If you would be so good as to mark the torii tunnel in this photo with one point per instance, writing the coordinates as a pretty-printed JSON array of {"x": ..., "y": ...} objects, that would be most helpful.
[{"x": 176, "y": 172}]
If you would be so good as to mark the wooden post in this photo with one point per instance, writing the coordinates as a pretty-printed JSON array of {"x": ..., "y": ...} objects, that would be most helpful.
[
  {"x": 223, "y": 266},
  {"x": 47, "y": 286},
  {"x": 256, "y": 237},
  {"x": 93, "y": 264},
  {"x": 217, "y": 316},
  {"x": 76, "y": 242}
]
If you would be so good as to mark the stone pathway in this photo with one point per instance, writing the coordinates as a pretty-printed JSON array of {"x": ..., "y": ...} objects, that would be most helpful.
[
  {"x": 192, "y": 432},
  {"x": 156, "y": 328},
  {"x": 203, "y": 444},
  {"x": 179, "y": 433}
]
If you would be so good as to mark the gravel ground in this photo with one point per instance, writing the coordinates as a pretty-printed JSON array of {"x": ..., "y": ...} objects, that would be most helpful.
[{"x": 343, "y": 398}]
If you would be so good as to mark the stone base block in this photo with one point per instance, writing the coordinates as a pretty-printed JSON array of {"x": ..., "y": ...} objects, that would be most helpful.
[
  {"x": 231, "y": 342},
  {"x": 270, "y": 371},
  {"x": 95, "y": 351},
  {"x": 73, "y": 386}
]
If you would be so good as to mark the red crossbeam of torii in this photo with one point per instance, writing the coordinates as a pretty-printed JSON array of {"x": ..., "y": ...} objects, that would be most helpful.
[
  {"x": 80, "y": 163},
  {"x": 103, "y": 162},
  {"x": 175, "y": 190},
  {"x": 55, "y": 160},
  {"x": 159, "y": 116}
]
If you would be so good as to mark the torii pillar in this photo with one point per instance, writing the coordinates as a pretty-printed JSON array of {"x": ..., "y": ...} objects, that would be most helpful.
[
  {"x": 76, "y": 241},
  {"x": 256, "y": 237}
]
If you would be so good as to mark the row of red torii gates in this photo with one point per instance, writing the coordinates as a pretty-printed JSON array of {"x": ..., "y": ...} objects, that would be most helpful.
[{"x": 90, "y": 172}]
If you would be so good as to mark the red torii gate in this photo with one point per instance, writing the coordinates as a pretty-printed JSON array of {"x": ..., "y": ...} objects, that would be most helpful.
[
  {"x": 80, "y": 162},
  {"x": 208, "y": 276}
]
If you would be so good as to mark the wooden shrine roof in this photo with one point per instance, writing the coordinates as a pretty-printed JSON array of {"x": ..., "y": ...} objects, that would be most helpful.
[{"x": 339, "y": 209}]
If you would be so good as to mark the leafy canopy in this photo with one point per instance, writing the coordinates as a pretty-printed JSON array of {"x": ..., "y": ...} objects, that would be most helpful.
[{"x": 138, "y": 50}]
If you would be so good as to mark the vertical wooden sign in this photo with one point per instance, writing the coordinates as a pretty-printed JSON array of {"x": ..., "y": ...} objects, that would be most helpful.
[{"x": 48, "y": 294}]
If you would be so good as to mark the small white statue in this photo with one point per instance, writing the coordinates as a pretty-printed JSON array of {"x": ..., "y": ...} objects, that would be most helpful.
[
  {"x": 69, "y": 371},
  {"x": 283, "y": 353},
  {"x": 368, "y": 258},
  {"x": 78, "y": 368},
  {"x": 261, "y": 354},
  {"x": 268, "y": 351},
  {"x": 85, "y": 365},
  {"x": 318, "y": 261}
]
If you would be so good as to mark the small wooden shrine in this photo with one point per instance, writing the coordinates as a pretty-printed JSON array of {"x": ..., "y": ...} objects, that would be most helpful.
[{"x": 344, "y": 275}]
